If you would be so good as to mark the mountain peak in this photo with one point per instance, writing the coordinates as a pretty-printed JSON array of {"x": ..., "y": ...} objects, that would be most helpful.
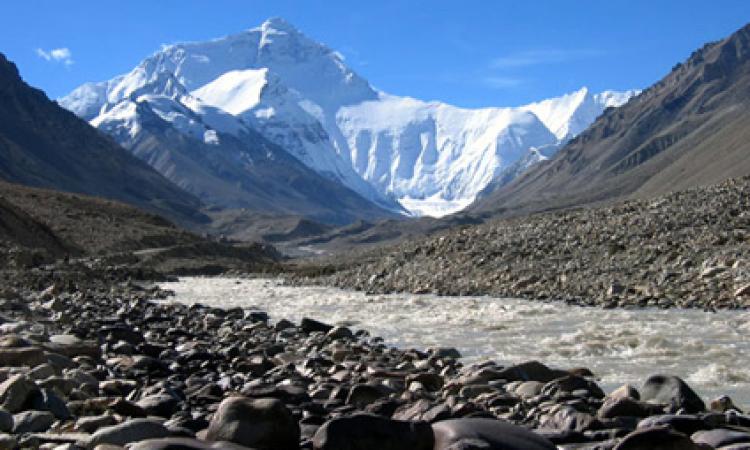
[
  {"x": 277, "y": 24},
  {"x": 8, "y": 70}
]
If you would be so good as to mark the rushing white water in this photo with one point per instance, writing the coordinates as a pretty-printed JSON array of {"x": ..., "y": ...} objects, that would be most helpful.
[{"x": 709, "y": 350}]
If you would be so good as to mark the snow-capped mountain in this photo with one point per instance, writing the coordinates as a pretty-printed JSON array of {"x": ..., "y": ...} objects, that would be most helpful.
[{"x": 427, "y": 157}]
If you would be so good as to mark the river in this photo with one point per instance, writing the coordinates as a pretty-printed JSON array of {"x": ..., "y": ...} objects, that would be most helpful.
[{"x": 709, "y": 350}]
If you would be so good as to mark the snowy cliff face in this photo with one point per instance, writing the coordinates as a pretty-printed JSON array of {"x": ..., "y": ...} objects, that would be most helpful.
[{"x": 429, "y": 158}]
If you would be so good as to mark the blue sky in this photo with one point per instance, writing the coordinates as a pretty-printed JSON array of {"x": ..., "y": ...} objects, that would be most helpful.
[{"x": 470, "y": 53}]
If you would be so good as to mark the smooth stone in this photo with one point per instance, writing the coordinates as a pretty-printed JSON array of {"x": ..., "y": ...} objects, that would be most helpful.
[
  {"x": 48, "y": 400},
  {"x": 362, "y": 395},
  {"x": 177, "y": 443},
  {"x": 529, "y": 389},
  {"x": 265, "y": 424},
  {"x": 656, "y": 438},
  {"x": 311, "y": 325},
  {"x": 162, "y": 405},
  {"x": 625, "y": 391},
  {"x": 134, "y": 430},
  {"x": 486, "y": 434},
  {"x": 626, "y": 406},
  {"x": 340, "y": 333},
  {"x": 370, "y": 432},
  {"x": 32, "y": 421},
  {"x": 8, "y": 442},
  {"x": 6, "y": 421},
  {"x": 720, "y": 437},
  {"x": 682, "y": 423},
  {"x": 530, "y": 371},
  {"x": 89, "y": 424},
  {"x": 568, "y": 418},
  {"x": 22, "y": 357},
  {"x": 15, "y": 392},
  {"x": 673, "y": 391}
]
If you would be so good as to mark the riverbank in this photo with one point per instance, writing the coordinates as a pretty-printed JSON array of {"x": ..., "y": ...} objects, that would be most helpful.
[
  {"x": 688, "y": 249},
  {"x": 92, "y": 359}
]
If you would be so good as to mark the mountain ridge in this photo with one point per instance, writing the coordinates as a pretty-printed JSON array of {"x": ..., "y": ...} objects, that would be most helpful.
[
  {"x": 44, "y": 145},
  {"x": 688, "y": 129},
  {"x": 418, "y": 161}
]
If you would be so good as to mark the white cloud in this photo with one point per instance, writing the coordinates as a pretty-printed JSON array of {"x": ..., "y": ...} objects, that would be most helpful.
[
  {"x": 537, "y": 57},
  {"x": 498, "y": 82},
  {"x": 62, "y": 55}
]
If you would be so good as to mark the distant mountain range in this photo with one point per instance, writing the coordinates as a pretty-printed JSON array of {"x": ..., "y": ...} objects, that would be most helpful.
[
  {"x": 228, "y": 119},
  {"x": 691, "y": 128}
]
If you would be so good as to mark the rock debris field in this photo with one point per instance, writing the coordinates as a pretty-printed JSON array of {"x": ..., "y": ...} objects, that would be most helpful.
[
  {"x": 688, "y": 249},
  {"x": 92, "y": 360}
]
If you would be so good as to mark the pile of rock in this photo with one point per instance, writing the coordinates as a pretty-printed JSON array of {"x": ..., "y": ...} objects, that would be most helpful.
[
  {"x": 688, "y": 249},
  {"x": 104, "y": 366}
]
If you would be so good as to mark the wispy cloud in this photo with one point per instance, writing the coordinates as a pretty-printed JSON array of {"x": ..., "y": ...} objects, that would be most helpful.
[
  {"x": 500, "y": 82},
  {"x": 542, "y": 56},
  {"x": 62, "y": 55}
]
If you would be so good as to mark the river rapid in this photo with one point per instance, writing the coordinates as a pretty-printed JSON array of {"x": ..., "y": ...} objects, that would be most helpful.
[{"x": 709, "y": 350}]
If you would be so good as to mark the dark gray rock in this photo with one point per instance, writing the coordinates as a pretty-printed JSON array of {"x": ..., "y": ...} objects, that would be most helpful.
[
  {"x": 265, "y": 424},
  {"x": 486, "y": 434},
  {"x": 721, "y": 437},
  {"x": 32, "y": 421},
  {"x": 134, "y": 430},
  {"x": 162, "y": 405},
  {"x": 687, "y": 424},
  {"x": 626, "y": 406},
  {"x": 310, "y": 325},
  {"x": 530, "y": 371},
  {"x": 362, "y": 395},
  {"x": 656, "y": 438},
  {"x": 16, "y": 391},
  {"x": 673, "y": 391},
  {"x": 369, "y": 432},
  {"x": 22, "y": 357},
  {"x": 177, "y": 443}
]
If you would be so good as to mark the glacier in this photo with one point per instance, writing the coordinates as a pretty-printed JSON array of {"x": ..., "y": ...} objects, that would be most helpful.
[{"x": 401, "y": 153}]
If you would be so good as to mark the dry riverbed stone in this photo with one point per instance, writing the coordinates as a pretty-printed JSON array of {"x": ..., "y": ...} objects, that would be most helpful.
[{"x": 264, "y": 424}]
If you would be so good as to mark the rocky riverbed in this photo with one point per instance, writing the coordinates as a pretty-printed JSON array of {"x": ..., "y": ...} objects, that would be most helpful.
[
  {"x": 688, "y": 249},
  {"x": 91, "y": 360}
]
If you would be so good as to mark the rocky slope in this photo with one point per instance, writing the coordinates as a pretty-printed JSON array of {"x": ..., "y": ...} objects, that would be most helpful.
[
  {"x": 90, "y": 360},
  {"x": 43, "y": 145},
  {"x": 431, "y": 157},
  {"x": 689, "y": 129},
  {"x": 38, "y": 226},
  {"x": 687, "y": 249}
]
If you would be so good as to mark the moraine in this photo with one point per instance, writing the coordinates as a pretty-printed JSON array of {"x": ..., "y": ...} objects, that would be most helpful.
[{"x": 709, "y": 350}]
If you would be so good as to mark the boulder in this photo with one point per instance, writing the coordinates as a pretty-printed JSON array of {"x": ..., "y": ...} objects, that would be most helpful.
[
  {"x": 162, "y": 405},
  {"x": 134, "y": 430},
  {"x": 16, "y": 391},
  {"x": 22, "y": 357},
  {"x": 656, "y": 438},
  {"x": 530, "y": 371},
  {"x": 177, "y": 443},
  {"x": 370, "y": 432},
  {"x": 721, "y": 437},
  {"x": 32, "y": 421},
  {"x": 265, "y": 424},
  {"x": 488, "y": 434},
  {"x": 673, "y": 391},
  {"x": 310, "y": 325}
]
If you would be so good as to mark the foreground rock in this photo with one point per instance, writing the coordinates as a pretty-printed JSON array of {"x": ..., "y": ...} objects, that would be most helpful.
[
  {"x": 113, "y": 366},
  {"x": 265, "y": 424}
]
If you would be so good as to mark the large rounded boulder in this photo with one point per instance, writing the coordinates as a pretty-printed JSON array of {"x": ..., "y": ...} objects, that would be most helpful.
[
  {"x": 486, "y": 434},
  {"x": 371, "y": 432},
  {"x": 263, "y": 424}
]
